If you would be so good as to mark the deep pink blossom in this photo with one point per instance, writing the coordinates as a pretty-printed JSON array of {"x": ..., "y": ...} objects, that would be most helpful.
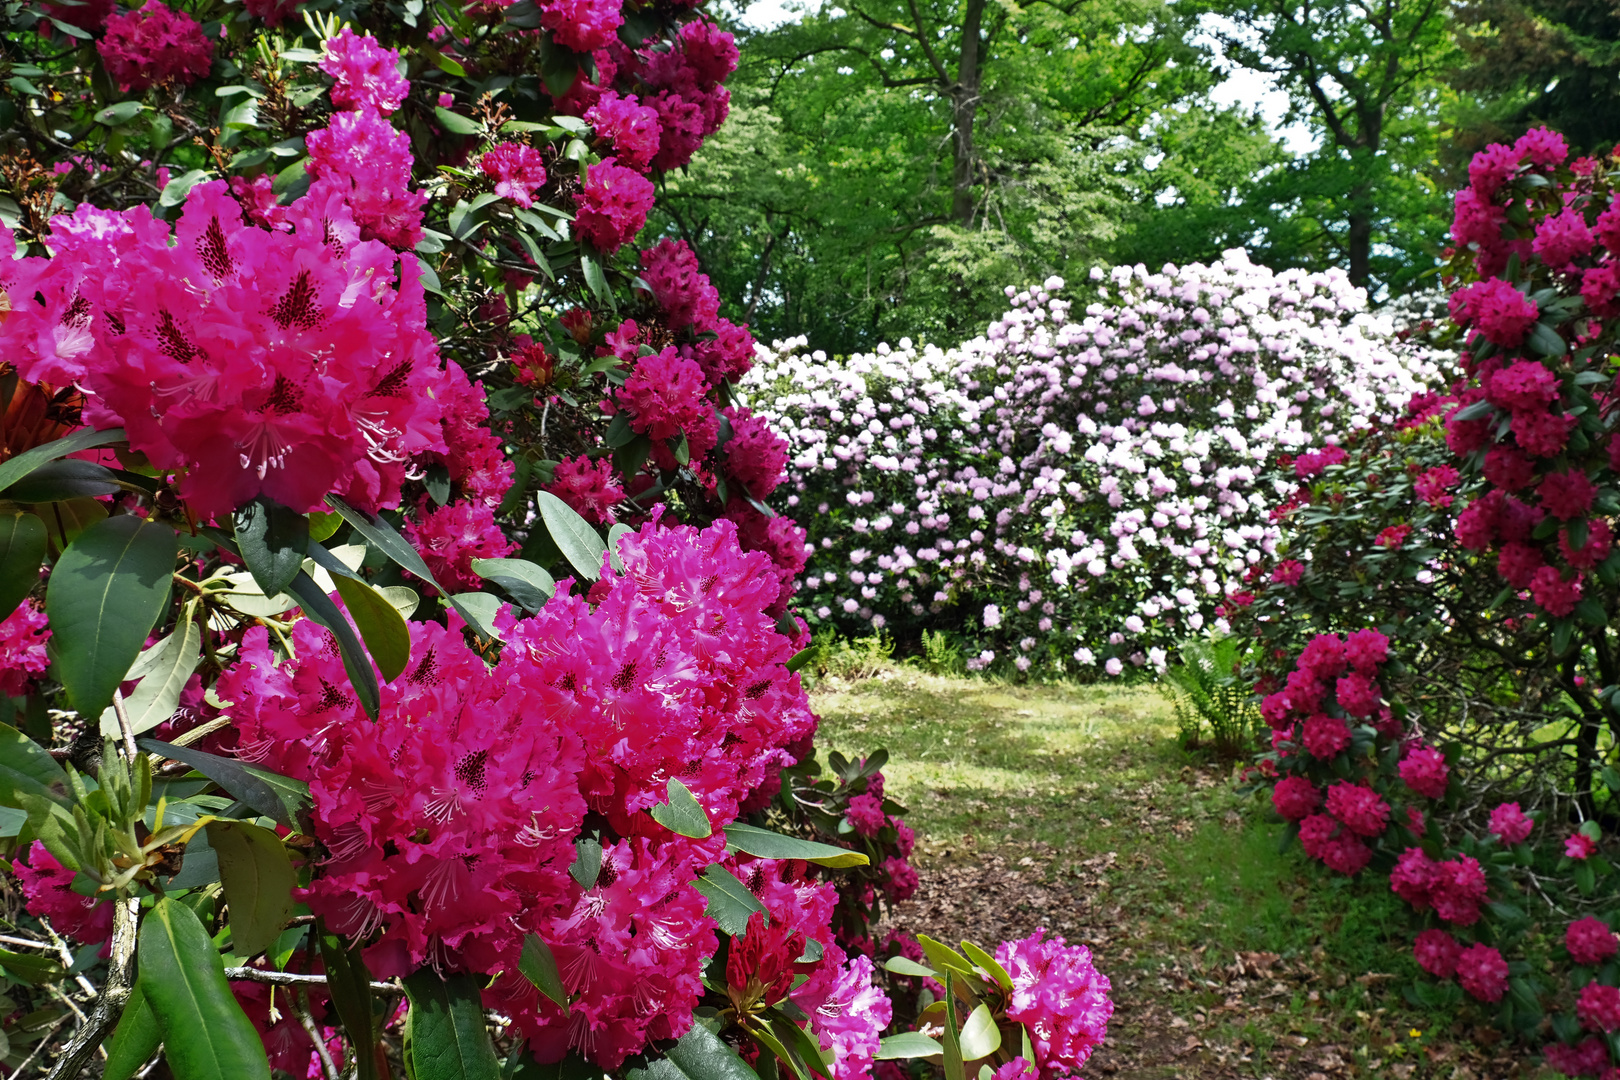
[
  {"x": 47, "y": 889},
  {"x": 1496, "y": 309},
  {"x": 1358, "y": 808},
  {"x": 1059, "y": 997},
  {"x": 1543, "y": 434},
  {"x": 1312, "y": 464},
  {"x": 1588, "y": 1058},
  {"x": 1424, "y": 770},
  {"x": 590, "y": 487},
  {"x": 1413, "y": 878},
  {"x": 1579, "y": 846},
  {"x": 1553, "y": 592},
  {"x": 1437, "y": 952},
  {"x": 1365, "y": 650},
  {"x": 1435, "y": 485},
  {"x": 155, "y": 46},
  {"x": 360, "y": 158},
  {"x": 1567, "y": 495},
  {"x": 1519, "y": 563},
  {"x": 679, "y": 287},
  {"x": 1600, "y": 286},
  {"x": 629, "y": 127},
  {"x": 613, "y": 204},
  {"x": 1393, "y": 538},
  {"x": 1483, "y": 972},
  {"x": 1562, "y": 238},
  {"x": 1542, "y": 147},
  {"x": 865, "y": 815},
  {"x": 364, "y": 74},
  {"x": 1357, "y": 694},
  {"x": 1458, "y": 888},
  {"x": 665, "y": 398},
  {"x": 1508, "y": 468},
  {"x": 1524, "y": 384},
  {"x": 517, "y": 169},
  {"x": 1511, "y": 824},
  {"x": 1590, "y": 941},
  {"x": 848, "y": 1013},
  {"x": 450, "y": 537},
  {"x": 1491, "y": 168},
  {"x": 756, "y": 455},
  {"x": 23, "y": 635},
  {"x": 1598, "y": 1007},
  {"x": 1599, "y": 541},
  {"x": 1288, "y": 572},
  {"x": 1325, "y": 736},
  {"x": 1295, "y": 798},
  {"x": 582, "y": 25}
]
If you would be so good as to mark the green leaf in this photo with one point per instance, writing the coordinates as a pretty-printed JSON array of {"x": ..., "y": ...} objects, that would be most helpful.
[
  {"x": 575, "y": 538},
  {"x": 987, "y": 963},
  {"x": 772, "y": 1044},
  {"x": 591, "y": 267},
  {"x": 1590, "y": 611},
  {"x": 22, "y": 552},
  {"x": 31, "y": 967},
  {"x": 258, "y": 879},
  {"x": 27, "y": 768},
  {"x": 804, "y": 1046},
  {"x": 616, "y": 533},
  {"x": 274, "y": 796},
  {"x": 164, "y": 678},
  {"x": 68, "y": 478},
  {"x": 954, "y": 1065},
  {"x": 349, "y": 983},
  {"x": 729, "y": 901},
  {"x": 206, "y": 1035},
  {"x": 14, "y": 469},
  {"x": 908, "y": 1044},
  {"x": 272, "y": 540},
  {"x": 66, "y": 521},
  {"x": 454, "y": 122},
  {"x": 134, "y": 1041},
  {"x": 381, "y": 625},
  {"x": 539, "y": 966},
  {"x": 437, "y": 482},
  {"x": 980, "y": 1037},
  {"x": 525, "y": 582},
  {"x": 445, "y": 1034},
  {"x": 587, "y": 862},
  {"x": 175, "y": 191},
  {"x": 384, "y": 537},
  {"x": 945, "y": 958},
  {"x": 323, "y": 525},
  {"x": 56, "y": 827},
  {"x": 319, "y": 607},
  {"x": 770, "y": 845},
  {"x": 900, "y": 965},
  {"x": 797, "y": 661},
  {"x": 1545, "y": 340},
  {"x": 700, "y": 1055},
  {"x": 107, "y": 590},
  {"x": 682, "y": 814}
]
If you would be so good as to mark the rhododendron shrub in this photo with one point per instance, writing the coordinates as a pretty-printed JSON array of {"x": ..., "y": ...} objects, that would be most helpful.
[
  {"x": 1075, "y": 489},
  {"x": 1484, "y": 730},
  {"x": 388, "y": 586}
]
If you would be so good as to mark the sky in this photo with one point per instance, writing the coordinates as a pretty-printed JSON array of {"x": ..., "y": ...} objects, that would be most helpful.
[{"x": 1242, "y": 87}]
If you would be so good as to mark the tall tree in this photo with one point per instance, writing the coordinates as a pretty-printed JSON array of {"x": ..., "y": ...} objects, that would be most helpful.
[{"x": 1364, "y": 75}]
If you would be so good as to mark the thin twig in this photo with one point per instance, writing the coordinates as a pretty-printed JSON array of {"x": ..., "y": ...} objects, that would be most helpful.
[
  {"x": 22, "y": 1069},
  {"x": 67, "y": 958},
  {"x": 291, "y": 978},
  {"x": 307, "y": 1022},
  {"x": 124, "y": 726}
]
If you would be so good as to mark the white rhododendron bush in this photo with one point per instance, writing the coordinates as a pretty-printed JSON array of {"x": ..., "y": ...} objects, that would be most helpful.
[{"x": 1075, "y": 490}]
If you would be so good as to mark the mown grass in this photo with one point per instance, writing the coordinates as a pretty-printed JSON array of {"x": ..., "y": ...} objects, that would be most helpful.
[{"x": 1076, "y": 772}]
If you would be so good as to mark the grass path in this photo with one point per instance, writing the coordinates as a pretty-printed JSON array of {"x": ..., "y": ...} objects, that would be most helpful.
[{"x": 1073, "y": 808}]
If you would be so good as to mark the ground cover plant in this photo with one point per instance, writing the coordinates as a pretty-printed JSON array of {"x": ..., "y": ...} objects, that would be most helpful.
[{"x": 397, "y": 667}]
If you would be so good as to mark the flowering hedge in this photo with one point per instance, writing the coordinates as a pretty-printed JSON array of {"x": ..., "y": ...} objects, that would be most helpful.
[
  {"x": 1074, "y": 490},
  {"x": 1460, "y": 748},
  {"x": 332, "y": 713}
]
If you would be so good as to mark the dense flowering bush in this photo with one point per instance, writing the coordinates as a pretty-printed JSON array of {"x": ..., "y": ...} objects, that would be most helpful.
[
  {"x": 1494, "y": 680},
  {"x": 328, "y": 357},
  {"x": 1076, "y": 490}
]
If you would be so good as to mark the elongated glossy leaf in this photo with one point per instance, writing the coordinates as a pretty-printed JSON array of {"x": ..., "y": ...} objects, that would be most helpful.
[
  {"x": 805, "y": 1046},
  {"x": 69, "y": 478},
  {"x": 700, "y": 1055},
  {"x": 135, "y": 1039},
  {"x": 54, "y": 825},
  {"x": 772, "y": 1044},
  {"x": 274, "y": 796},
  {"x": 454, "y": 122},
  {"x": 615, "y": 534},
  {"x": 988, "y": 964},
  {"x": 479, "y": 609},
  {"x": 319, "y": 607},
  {"x": 383, "y": 536},
  {"x": 575, "y": 538},
  {"x": 349, "y": 983},
  {"x": 729, "y": 901},
  {"x": 539, "y": 966},
  {"x": 900, "y": 965},
  {"x": 272, "y": 539},
  {"x": 107, "y": 590},
  {"x": 14, "y": 469},
  {"x": 980, "y": 1037},
  {"x": 36, "y": 968},
  {"x": 22, "y": 551},
  {"x": 447, "y": 1038},
  {"x": 163, "y": 678},
  {"x": 587, "y": 862},
  {"x": 27, "y": 768},
  {"x": 954, "y": 1064},
  {"x": 769, "y": 845},
  {"x": 524, "y": 581},
  {"x": 943, "y": 957},
  {"x": 381, "y": 626},
  {"x": 908, "y": 1044},
  {"x": 206, "y": 1035},
  {"x": 683, "y": 814},
  {"x": 258, "y": 879}
]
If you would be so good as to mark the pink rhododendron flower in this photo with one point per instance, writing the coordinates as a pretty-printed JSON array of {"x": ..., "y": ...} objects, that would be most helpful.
[
  {"x": 1060, "y": 998},
  {"x": 364, "y": 74},
  {"x": 286, "y": 1043},
  {"x": 1313, "y": 463},
  {"x": 1542, "y": 147},
  {"x": 1511, "y": 823},
  {"x": 902, "y": 881},
  {"x": 1589, "y": 1058},
  {"x": 1359, "y": 808},
  {"x": 665, "y": 398},
  {"x": 1288, "y": 572},
  {"x": 678, "y": 286},
  {"x": 1598, "y": 1007},
  {"x": 1562, "y": 238},
  {"x": 1524, "y": 384},
  {"x": 1437, "y": 952},
  {"x": 1393, "y": 538},
  {"x": 590, "y": 487},
  {"x": 1413, "y": 877},
  {"x": 154, "y": 46},
  {"x": 23, "y": 635},
  {"x": 755, "y": 455},
  {"x": 1491, "y": 168},
  {"x": 847, "y": 1014},
  {"x": 1599, "y": 541},
  {"x": 1365, "y": 650},
  {"x": 1435, "y": 485},
  {"x": 582, "y": 25},
  {"x": 517, "y": 169},
  {"x": 450, "y": 537},
  {"x": 1357, "y": 694},
  {"x": 865, "y": 815},
  {"x": 1458, "y": 888},
  {"x": 1016, "y": 1069},
  {"x": 1500, "y": 312},
  {"x": 1557, "y": 595},
  {"x": 1483, "y": 972},
  {"x": 1508, "y": 468},
  {"x": 613, "y": 204},
  {"x": 1518, "y": 564},
  {"x": 47, "y": 888},
  {"x": 1424, "y": 770},
  {"x": 1543, "y": 434},
  {"x": 1590, "y": 941},
  {"x": 629, "y": 127},
  {"x": 1325, "y": 736},
  {"x": 1295, "y": 797},
  {"x": 1600, "y": 286},
  {"x": 1580, "y": 846},
  {"x": 1567, "y": 495},
  {"x": 359, "y": 157}
]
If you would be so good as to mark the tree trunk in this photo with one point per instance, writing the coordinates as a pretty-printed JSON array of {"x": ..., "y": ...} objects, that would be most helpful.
[
  {"x": 1359, "y": 241},
  {"x": 964, "y": 110}
]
